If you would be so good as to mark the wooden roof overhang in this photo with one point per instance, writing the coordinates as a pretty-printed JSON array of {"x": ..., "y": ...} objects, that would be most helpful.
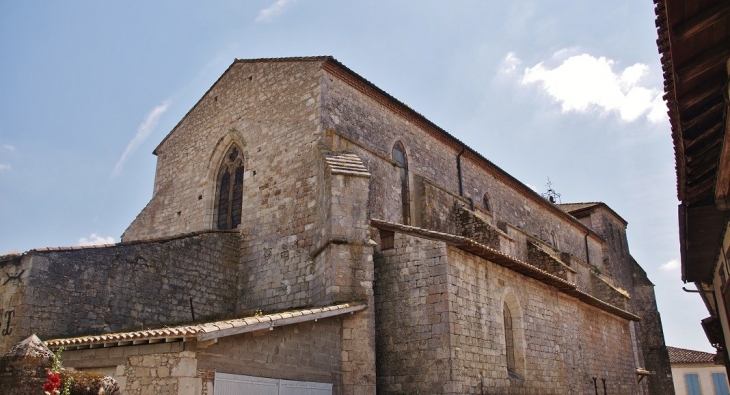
[{"x": 694, "y": 41}]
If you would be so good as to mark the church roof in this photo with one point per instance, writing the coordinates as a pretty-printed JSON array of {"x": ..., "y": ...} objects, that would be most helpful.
[
  {"x": 570, "y": 207},
  {"x": 206, "y": 331},
  {"x": 682, "y": 355},
  {"x": 576, "y": 208}
]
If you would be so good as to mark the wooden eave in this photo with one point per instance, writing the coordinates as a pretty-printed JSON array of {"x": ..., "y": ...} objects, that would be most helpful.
[{"x": 694, "y": 41}]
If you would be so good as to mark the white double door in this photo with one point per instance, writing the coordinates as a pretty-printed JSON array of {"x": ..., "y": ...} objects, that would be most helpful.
[{"x": 235, "y": 384}]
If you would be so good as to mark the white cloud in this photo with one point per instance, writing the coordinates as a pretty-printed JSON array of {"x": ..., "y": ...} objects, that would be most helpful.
[
  {"x": 95, "y": 239},
  {"x": 143, "y": 131},
  {"x": 670, "y": 266},
  {"x": 583, "y": 83},
  {"x": 8, "y": 147},
  {"x": 4, "y": 166},
  {"x": 272, "y": 11},
  {"x": 510, "y": 63}
]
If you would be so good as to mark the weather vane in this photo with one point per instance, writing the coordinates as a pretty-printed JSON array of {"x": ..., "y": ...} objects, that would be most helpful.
[{"x": 551, "y": 195}]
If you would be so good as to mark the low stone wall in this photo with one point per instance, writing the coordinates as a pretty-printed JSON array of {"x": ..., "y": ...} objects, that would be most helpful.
[{"x": 70, "y": 292}]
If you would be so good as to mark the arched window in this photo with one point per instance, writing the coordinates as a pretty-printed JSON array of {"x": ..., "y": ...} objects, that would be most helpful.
[
  {"x": 513, "y": 338},
  {"x": 485, "y": 202},
  {"x": 229, "y": 196},
  {"x": 399, "y": 156},
  {"x": 509, "y": 340},
  {"x": 554, "y": 239}
]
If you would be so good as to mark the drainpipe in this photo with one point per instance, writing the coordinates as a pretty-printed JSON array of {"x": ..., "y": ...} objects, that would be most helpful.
[
  {"x": 588, "y": 256},
  {"x": 458, "y": 168}
]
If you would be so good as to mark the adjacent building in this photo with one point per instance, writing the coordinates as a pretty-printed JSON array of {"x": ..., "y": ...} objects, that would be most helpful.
[
  {"x": 694, "y": 41},
  {"x": 696, "y": 373}
]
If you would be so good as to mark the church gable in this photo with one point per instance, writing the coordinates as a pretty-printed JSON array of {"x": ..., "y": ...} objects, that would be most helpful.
[{"x": 267, "y": 108}]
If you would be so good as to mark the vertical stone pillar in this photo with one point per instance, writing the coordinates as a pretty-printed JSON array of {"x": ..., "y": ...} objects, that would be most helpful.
[
  {"x": 348, "y": 274},
  {"x": 358, "y": 352}
]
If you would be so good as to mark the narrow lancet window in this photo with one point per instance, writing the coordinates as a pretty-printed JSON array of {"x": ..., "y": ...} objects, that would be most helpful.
[
  {"x": 509, "y": 341},
  {"x": 229, "y": 202},
  {"x": 399, "y": 156}
]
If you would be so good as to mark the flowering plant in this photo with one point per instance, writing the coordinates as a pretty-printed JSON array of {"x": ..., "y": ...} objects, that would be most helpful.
[{"x": 53, "y": 384}]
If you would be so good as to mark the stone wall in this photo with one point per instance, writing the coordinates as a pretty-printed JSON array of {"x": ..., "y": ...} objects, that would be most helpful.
[
  {"x": 131, "y": 286},
  {"x": 14, "y": 315},
  {"x": 651, "y": 336},
  {"x": 566, "y": 342},
  {"x": 307, "y": 351},
  {"x": 270, "y": 109},
  {"x": 440, "y": 329},
  {"x": 412, "y": 324},
  {"x": 24, "y": 369},
  {"x": 356, "y": 121}
]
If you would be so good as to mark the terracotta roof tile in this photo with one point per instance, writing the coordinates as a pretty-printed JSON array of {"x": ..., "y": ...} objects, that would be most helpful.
[
  {"x": 210, "y": 330},
  {"x": 682, "y": 355}
]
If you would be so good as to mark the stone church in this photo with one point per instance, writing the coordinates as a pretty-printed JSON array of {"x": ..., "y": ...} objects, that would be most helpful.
[{"x": 308, "y": 233}]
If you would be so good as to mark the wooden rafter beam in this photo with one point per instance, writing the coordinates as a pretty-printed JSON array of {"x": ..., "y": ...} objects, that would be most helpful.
[
  {"x": 702, "y": 118},
  {"x": 704, "y": 92},
  {"x": 699, "y": 128},
  {"x": 701, "y": 164},
  {"x": 701, "y": 150},
  {"x": 701, "y": 191},
  {"x": 702, "y": 20},
  {"x": 714, "y": 57},
  {"x": 689, "y": 144}
]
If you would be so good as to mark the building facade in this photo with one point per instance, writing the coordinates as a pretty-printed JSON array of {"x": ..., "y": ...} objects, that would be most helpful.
[
  {"x": 308, "y": 229},
  {"x": 696, "y": 373},
  {"x": 694, "y": 41}
]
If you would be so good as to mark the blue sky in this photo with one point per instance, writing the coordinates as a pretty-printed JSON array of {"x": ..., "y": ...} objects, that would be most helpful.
[{"x": 566, "y": 89}]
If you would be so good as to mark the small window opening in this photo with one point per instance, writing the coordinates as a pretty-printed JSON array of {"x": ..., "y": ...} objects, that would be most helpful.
[
  {"x": 401, "y": 161},
  {"x": 509, "y": 340},
  {"x": 387, "y": 240},
  {"x": 485, "y": 202},
  {"x": 511, "y": 353}
]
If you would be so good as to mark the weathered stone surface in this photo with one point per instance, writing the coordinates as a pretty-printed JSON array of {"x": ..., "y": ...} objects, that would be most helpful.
[
  {"x": 317, "y": 145},
  {"x": 439, "y": 322},
  {"x": 125, "y": 287},
  {"x": 23, "y": 371}
]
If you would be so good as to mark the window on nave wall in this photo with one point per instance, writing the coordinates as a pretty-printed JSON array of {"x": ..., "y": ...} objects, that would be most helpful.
[
  {"x": 485, "y": 202},
  {"x": 509, "y": 340},
  {"x": 229, "y": 190},
  {"x": 399, "y": 156}
]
